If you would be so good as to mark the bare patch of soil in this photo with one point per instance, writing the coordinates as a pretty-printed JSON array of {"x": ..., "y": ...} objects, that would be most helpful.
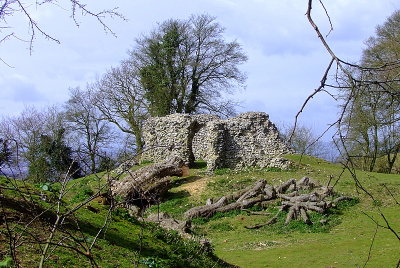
[{"x": 195, "y": 187}]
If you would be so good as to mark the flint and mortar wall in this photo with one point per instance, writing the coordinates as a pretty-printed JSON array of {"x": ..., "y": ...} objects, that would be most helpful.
[
  {"x": 249, "y": 139},
  {"x": 169, "y": 136}
]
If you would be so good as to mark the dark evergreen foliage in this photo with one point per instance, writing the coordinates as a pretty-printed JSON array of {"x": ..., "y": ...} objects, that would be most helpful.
[{"x": 52, "y": 159}]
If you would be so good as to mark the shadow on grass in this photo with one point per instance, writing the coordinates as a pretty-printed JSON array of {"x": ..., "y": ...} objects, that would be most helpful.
[
  {"x": 146, "y": 239},
  {"x": 115, "y": 235},
  {"x": 137, "y": 238},
  {"x": 159, "y": 243},
  {"x": 187, "y": 180},
  {"x": 199, "y": 165},
  {"x": 177, "y": 195}
]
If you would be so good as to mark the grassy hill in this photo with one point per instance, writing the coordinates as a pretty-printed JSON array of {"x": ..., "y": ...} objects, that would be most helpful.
[{"x": 350, "y": 235}]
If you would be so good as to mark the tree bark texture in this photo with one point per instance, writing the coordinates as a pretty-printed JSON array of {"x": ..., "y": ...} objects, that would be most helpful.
[{"x": 149, "y": 184}]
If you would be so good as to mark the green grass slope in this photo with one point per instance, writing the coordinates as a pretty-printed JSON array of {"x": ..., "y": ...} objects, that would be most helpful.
[{"x": 124, "y": 242}]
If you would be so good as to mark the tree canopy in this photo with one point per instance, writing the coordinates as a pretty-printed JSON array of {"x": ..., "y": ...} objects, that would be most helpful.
[
  {"x": 5, "y": 152},
  {"x": 52, "y": 159},
  {"x": 185, "y": 66}
]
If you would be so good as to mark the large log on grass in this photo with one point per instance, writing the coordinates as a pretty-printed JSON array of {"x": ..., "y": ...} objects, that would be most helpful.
[
  {"x": 206, "y": 210},
  {"x": 148, "y": 184}
]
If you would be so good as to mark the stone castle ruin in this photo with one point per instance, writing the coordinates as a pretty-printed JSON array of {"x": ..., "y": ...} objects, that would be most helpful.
[{"x": 248, "y": 140}]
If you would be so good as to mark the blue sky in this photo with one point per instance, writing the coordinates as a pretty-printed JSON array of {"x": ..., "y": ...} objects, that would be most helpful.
[{"x": 286, "y": 59}]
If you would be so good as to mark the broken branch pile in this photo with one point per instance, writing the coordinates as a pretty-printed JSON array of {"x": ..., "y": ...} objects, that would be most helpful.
[{"x": 298, "y": 198}]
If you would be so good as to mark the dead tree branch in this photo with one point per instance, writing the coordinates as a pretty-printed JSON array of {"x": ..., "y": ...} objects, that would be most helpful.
[{"x": 17, "y": 7}]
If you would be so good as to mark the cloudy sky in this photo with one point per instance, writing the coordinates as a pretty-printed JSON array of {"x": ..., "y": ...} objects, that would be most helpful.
[{"x": 286, "y": 59}]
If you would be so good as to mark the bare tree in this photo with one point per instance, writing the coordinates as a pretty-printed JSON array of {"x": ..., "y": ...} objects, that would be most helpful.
[
  {"x": 27, "y": 129},
  {"x": 91, "y": 132},
  {"x": 378, "y": 81},
  {"x": 375, "y": 105},
  {"x": 304, "y": 141},
  {"x": 120, "y": 98},
  {"x": 185, "y": 66}
]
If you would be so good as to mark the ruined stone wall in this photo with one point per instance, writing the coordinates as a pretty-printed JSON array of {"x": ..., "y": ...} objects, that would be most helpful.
[
  {"x": 168, "y": 136},
  {"x": 249, "y": 139},
  {"x": 199, "y": 147}
]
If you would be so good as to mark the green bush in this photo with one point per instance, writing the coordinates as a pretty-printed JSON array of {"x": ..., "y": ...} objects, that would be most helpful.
[{"x": 154, "y": 262}]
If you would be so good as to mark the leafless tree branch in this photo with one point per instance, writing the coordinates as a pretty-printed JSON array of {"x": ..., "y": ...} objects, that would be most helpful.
[{"x": 16, "y": 7}]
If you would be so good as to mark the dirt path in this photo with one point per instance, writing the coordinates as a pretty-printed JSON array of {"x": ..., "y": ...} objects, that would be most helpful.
[{"x": 195, "y": 187}]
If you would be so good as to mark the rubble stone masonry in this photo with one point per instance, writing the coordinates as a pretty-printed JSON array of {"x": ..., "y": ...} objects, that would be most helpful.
[{"x": 248, "y": 140}]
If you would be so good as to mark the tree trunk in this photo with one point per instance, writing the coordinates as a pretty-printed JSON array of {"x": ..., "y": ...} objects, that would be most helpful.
[
  {"x": 392, "y": 160},
  {"x": 149, "y": 184},
  {"x": 191, "y": 105}
]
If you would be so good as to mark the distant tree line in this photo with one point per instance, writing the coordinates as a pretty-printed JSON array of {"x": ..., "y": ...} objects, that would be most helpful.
[{"x": 304, "y": 140}]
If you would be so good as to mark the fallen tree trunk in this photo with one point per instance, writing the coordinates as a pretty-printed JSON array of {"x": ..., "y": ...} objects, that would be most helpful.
[
  {"x": 299, "y": 206},
  {"x": 148, "y": 184},
  {"x": 255, "y": 212},
  {"x": 206, "y": 211},
  {"x": 243, "y": 199}
]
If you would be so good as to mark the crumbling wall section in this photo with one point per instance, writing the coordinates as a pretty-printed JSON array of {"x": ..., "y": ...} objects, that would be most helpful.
[
  {"x": 249, "y": 139},
  {"x": 168, "y": 136},
  {"x": 199, "y": 146}
]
